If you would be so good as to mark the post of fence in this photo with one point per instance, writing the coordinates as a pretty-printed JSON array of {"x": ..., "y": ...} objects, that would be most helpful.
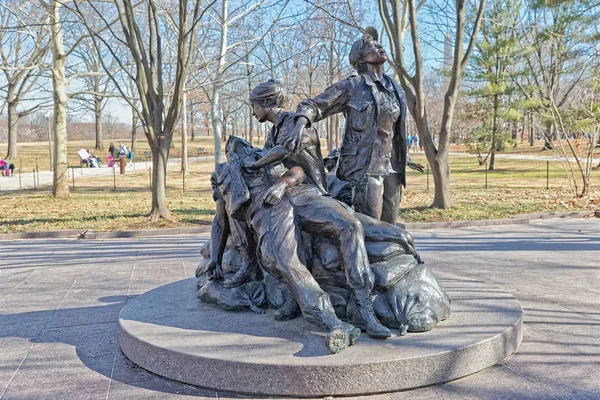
[
  {"x": 427, "y": 171},
  {"x": 486, "y": 170},
  {"x": 547, "y": 174},
  {"x": 34, "y": 185},
  {"x": 37, "y": 171},
  {"x": 114, "y": 179},
  {"x": 73, "y": 173},
  {"x": 184, "y": 181},
  {"x": 20, "y": 172}
]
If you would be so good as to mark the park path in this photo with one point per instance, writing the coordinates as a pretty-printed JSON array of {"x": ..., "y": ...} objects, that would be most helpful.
[
  {"x": 31, "y": 180},
  {"x": 60, "y": 300}
]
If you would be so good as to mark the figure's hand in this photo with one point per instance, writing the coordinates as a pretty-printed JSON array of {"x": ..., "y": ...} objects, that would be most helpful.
[
  {"x": 293, "y": 139},
  {"x": 275, "y": 194},
  {"x": 416, "y": 166},
  {"x": 214, "y": 272}
]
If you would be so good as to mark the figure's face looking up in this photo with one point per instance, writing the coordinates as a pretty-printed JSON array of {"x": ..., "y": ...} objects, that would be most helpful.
[
  {"x": 373, "y": 53},
  {"x": 259, "y": 112}
]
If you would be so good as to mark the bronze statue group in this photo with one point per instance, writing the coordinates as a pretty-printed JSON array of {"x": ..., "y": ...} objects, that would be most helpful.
[{"x": 290, "y": 236}]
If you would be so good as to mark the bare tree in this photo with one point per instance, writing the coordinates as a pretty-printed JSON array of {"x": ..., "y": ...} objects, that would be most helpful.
[
  {"x": 227, "y": 19},
  {"x": 96, "y": 84},
  {"x": 400, "y": 18},
  {"x": 146, "y": 47},
  {"x": 184, "y": 134},
  {"x": 24, "y": 45},
  {"x": 60, "y": 187}
]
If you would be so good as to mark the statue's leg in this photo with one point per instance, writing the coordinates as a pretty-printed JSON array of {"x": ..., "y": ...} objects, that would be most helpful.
[
  {"x": 380, "y": 231},
  {"x": 279, "y": 254},
  {"x": 368, "y": 196},
  {"x": 392, "y": 196},
  {"x": 320, "y": 215}
]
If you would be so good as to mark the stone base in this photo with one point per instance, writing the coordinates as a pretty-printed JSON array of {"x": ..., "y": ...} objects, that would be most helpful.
[{"x": 169, "y": 332}]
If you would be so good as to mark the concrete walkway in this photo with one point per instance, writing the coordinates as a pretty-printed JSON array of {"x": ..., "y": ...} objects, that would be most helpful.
[{"x": 60, "y": 298}]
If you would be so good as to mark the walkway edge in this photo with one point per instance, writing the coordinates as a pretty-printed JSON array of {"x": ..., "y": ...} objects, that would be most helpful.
[
  {"x": 514, "y": 220},
  {"x": 83, "y": 234}
]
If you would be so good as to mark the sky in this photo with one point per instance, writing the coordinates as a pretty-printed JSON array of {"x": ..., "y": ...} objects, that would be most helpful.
[{"x": 432, "y": 30}]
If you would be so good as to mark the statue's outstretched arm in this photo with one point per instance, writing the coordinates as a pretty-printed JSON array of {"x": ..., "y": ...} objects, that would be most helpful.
[
  {"x": 219, "y": 234},
  {"x": 275, "y": 155}
]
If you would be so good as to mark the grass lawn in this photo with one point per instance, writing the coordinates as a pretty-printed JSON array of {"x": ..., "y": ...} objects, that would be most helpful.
[{"x": 514, "y": 187}]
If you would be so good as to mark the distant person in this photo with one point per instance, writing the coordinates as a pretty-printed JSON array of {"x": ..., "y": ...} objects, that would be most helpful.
[
  {"x": 122, "y": 150},
  {"x": 111, "y": 149},
  {"x": 416, "y": 142},
  {"x": 7, "y": 167},
  {"x": 93, "y": 161},
  {"x": 130, "y": 157}
]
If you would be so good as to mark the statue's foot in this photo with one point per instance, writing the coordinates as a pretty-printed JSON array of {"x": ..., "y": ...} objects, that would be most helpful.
[
  {"x": 341, "y": 337},
  {"x": 288, "y": 311},
  {"x": 377, "y": 331},
  {"x": 366, "y": 316}
]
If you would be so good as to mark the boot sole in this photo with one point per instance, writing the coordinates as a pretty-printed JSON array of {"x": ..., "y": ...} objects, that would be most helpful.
[{"x": 337, "y": 340}]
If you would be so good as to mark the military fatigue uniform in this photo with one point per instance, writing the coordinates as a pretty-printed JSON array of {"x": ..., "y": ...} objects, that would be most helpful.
[{"x": 373, "y": 150}]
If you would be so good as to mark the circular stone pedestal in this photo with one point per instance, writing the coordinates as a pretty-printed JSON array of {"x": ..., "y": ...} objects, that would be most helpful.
[{"x": 169, "y": 332}]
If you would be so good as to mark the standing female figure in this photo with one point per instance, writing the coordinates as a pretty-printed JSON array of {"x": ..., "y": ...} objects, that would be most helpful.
[{"x": 373, "y": 151}]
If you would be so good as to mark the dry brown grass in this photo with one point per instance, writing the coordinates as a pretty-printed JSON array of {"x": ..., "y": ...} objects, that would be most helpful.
[{"x": 515, "y": 187}]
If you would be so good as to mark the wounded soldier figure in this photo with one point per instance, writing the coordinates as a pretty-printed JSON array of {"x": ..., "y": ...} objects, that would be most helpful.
[{"x": 314, "y": 247}]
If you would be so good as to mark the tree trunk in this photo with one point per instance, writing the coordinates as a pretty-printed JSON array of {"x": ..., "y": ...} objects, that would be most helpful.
[
  {"x": 60, "y": 186},
  {"x": 13, "y": 120},
  {"x": 494, "y": 133},
  {"x": 531, "y": 137},
  {"x": 134, "y": 121},
  {"x": 251, "y": 126},
  {"x": 215, "y": 110},
  {"x": 440, "y": 165},
  {"x": 336, "y": 130},
  {"x": 548, "y": 136},
  {"x": 329, "y": 130},
  {"x": 249, "y": 81},
  {"x": 98, "y": 115},
  {"x": 440, "y": 169},
  {"x": 160, "y": 155},
  {"x": 184, "y": 140},
  {"x": 192, "y": 121},
  {"x": 437, "y": 158}
]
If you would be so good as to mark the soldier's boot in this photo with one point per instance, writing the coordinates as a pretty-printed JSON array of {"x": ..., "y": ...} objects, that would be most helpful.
[
  {"x": 289, "y": 310},
  {"x": 341, "y": 337},
  {"x": 366, "y": 314},
  {"x": 340, "y": 334}
]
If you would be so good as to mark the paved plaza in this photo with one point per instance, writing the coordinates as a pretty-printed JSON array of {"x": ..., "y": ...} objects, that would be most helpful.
[{"x": 60, "y": 300}]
